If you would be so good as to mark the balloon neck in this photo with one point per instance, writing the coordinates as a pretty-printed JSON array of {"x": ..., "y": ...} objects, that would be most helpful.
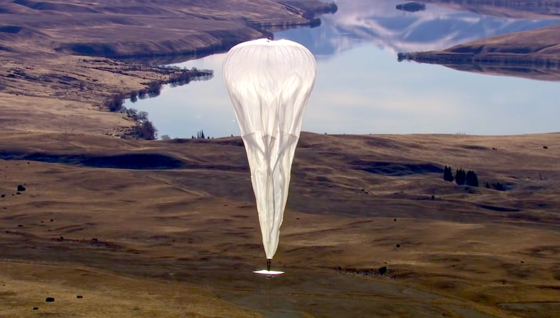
[{"x": 268, "y": 263}]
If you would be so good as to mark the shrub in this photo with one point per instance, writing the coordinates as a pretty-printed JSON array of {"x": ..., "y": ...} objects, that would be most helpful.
[
  {"x": 132, "y": 112},
  {"x": 115, "y": 103},
  {"x": 500, "y": 187}
]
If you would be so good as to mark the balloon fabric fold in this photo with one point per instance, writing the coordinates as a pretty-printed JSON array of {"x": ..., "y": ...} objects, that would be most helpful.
[{"x": 269, "y": 83}]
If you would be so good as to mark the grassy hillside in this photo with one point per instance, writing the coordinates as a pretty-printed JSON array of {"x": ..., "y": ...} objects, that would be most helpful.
[
  {"x": 169, "y": 228},
  {"x": 512, "y": 9}
]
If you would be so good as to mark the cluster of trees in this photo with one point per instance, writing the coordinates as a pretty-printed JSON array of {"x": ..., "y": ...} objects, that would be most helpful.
[
  {"x": 144, "y": 128},
  {"x": 153, "y": 90},
  {"x": 461, "y": 177},
  {"x": 192, "y": 76},
  {"x": 498, "y": 186},
  {"x": 200, "y": 135},
  {"x": 183, "y": 78},
  {"x": 135, "y": 114},
  {"x": 116, "y": 102}
]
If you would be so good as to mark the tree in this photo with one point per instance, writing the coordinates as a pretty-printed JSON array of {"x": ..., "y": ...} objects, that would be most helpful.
[
  {"x": 142, "y": 116},
  {"x": 142, "y": 94},
  {"x": 472, "y": 179},
  {"x": 200, "y": 134},
  {"x": 460, "y": 176},
  {"x": 165, "y": 137},
  {"x": 115, "y": 103},
  {"x": 147, "y": 130},
  {"x": 134, "y": 96},
  {"x": 447, "y": 174}
]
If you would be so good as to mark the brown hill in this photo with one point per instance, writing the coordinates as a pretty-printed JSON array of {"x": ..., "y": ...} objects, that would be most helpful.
[
  {"x": 511, "y": 9},
  {"x": 169, "y": 228},
  {"x": 144, "y": 28},
  {"x": 531, "y": 54}
]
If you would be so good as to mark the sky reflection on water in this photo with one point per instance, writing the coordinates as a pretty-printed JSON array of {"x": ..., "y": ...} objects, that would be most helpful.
[{"x": 361, "y": 88}]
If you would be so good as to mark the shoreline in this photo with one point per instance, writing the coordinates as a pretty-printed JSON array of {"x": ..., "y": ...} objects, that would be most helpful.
[
  {"x": 49, "y": 70},
  {"x": 531, "y": 54}
]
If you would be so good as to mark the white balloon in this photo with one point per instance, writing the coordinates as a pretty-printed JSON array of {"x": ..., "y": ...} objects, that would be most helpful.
[{"x": 269, "y": 83}]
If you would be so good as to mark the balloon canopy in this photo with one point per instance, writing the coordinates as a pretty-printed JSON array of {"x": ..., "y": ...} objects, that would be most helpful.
[{"x": 269, "y": 83}]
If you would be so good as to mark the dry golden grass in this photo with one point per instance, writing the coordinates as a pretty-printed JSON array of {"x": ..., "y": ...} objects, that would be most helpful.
[
  {"x": 169, "y": 228},
  {"x": 106, "y": 295},
  {"x": 34, "y": 114},
  {"x": 177, "y": 232}
]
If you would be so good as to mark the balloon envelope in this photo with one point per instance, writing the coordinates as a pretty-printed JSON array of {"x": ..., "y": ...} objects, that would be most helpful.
[{"x": 269, "y": 83}]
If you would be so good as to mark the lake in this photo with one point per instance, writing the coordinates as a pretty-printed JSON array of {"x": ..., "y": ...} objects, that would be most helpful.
[{"x": 361, "y": 87}]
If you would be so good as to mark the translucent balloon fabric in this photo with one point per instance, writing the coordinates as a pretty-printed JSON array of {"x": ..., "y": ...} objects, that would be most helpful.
[{"x": 269, "y": 83}]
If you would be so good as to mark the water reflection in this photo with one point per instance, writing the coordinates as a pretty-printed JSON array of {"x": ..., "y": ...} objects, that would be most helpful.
[
  {"x": 361, "y": 88},
  {"x": 379, "y": 22}
]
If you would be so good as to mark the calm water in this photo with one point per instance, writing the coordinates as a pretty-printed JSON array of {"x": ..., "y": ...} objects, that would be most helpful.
[{"x": 361, "y": 87}]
